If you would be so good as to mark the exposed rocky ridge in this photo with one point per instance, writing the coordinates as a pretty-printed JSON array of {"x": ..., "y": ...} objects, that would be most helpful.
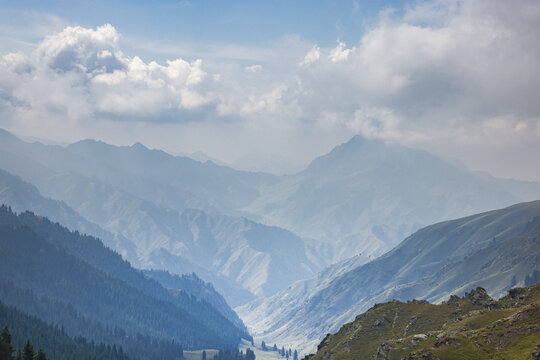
[{"x": 472, "y": 327}]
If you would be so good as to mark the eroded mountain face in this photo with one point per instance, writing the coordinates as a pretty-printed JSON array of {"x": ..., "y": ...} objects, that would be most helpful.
[{"x": 497, "y": 250}]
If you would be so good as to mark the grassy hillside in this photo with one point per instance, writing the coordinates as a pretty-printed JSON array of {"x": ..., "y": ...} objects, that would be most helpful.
[{"x": 472, "y": 327}]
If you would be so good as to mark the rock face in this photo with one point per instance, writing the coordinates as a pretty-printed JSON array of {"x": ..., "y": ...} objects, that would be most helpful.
[
  {"x": 479, "y": 296},
  {"x": 383, "y": 351},
  {"x": 416, "y": 330},
  {"x": 419, "y": 337},
  {"x": 536, "y": 353},
  {"x": 422, "y": 355}
]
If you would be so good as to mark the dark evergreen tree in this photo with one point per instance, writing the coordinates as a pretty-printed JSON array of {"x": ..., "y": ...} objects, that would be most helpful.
[
  {"x": 203, "y": 355},
  {"x": 295, "y": 355},
  {"x": 28, "y": 351},
  {"x": 250, "y": 355},
  {"x": 263, "y": 346},
  {"x": 6, "y": 350},
  {"x": 41, "y": 355},
  {"x": 275, "y": 347}
]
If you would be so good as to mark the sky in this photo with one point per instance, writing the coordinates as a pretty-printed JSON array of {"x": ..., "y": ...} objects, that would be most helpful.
[{"x": 271, "y": 85}]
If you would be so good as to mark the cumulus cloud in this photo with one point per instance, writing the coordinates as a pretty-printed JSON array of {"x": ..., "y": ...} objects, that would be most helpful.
[
  {"x": 82, "y": 72},
  {"x": 474, "y": 62},
  {"x": 339, "y": 53},
  {"x": 312, "y": 56},
  {"x": 460, "y": 73},
  {"x": 77, "y": 48}
]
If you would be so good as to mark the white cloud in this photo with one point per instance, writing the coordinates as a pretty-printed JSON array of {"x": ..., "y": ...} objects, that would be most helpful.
[
  {"x": 444, "y": 72},
  {"x": 253, "y": 68},
  {"x": 90, "y": 75},
  {"x": 339, "y": 53},
  {"x": 312, "y": 56},
  {"x": 78, "y": 48}
]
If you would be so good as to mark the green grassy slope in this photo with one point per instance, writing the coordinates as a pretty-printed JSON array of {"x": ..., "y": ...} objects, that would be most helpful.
[{"x": 472, "y": 327}]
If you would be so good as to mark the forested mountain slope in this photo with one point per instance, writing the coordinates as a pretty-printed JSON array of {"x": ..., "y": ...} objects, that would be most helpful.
[
  {"x": 54, "y": 341},
  {"x": 193, "y": 285},
  {"x": 48, "y": 260},
  {"x": 92, "y": 251}
]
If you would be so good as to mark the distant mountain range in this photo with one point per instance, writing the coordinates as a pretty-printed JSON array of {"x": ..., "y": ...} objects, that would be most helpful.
[
  {"x": 253, "y": 234},
  {"x": 240, "y": 256},
  {"x": 261, "y": 240},
  {"x": 365, "y": 196},
  {"x": 496, "y": 250}
]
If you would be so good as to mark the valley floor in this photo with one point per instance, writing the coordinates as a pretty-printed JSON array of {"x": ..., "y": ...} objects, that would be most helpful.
[{"x": 259, "y": 354}]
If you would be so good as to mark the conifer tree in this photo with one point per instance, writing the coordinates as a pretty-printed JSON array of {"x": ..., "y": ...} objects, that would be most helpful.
[
  {"x": 6, "y": 350},
  {"x": 28, "y": 351},
  {"x": 250, "y": 355},
  {"x": 41, "y": 355}
]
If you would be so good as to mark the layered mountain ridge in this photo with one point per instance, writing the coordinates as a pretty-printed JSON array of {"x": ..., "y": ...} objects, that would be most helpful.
[
  {"x": 497, "y": 250},
  {"x": 229, "y": 251},
  {"x": 365, "y": 196},
  {"x": 44, "y": 265},
  {"x": 177, "y": 214}
]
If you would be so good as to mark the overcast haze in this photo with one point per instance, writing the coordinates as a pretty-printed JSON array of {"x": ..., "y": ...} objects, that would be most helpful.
[{"x": 241, "y": 80}]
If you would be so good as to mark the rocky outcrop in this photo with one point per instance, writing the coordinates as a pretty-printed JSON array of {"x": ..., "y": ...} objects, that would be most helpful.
[{"x": 479, "y": 296}]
